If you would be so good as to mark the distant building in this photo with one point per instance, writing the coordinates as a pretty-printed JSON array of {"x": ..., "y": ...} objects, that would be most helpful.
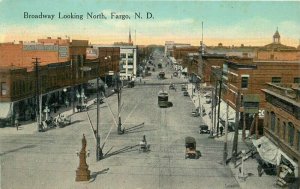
[
  {"x": 127, "y": 60},
  {"x": 170, "y": 45},
  {"x": 59, "y": 79},
  {"x": 277, "y": 51}
]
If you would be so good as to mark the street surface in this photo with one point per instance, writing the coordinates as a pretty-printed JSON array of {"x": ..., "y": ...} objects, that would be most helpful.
[{"x": 49, "y": 160}]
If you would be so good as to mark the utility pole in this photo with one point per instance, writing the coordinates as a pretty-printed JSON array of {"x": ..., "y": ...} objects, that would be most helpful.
[
  {"x": 244, "y": 127},
  {"x": 225, "y": 154},
  {"x": 37, "y": 91},
  {"x": 200, "y": 108},
  {"x": 219, "y": 104},
  {"x": 73, "y": 83},
  {"x": 120, "y": 131},
  {"x": 99, "y": 153},
  {"x": 236, "y": 131},
  {"x": 215, "y": 107},
  {"x": 212, "y": 113}
]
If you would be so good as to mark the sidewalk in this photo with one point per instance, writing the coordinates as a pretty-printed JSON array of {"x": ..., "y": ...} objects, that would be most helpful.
[
  {"x": 252, "y": 179},
  {"x": 30, "y": 127}
]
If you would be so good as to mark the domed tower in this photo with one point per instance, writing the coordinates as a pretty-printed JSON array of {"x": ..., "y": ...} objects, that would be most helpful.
[{"x": 276, "y": 37}]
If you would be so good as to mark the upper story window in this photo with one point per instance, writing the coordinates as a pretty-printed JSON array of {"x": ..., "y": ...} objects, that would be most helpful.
[
  {"x": 123, "y": 55},
  {"x": 291, "y": 133},
  {"x": 273, "y": 121},
  {"x": 244, "y": 81},
  {"x": 276, "y": 79},
  {"x": 130, "y": 55},
  {"x": 296, "y": 79},
  {"x": 283, "y": 131}
]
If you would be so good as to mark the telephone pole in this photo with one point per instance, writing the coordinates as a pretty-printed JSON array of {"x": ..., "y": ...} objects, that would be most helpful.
[
  {"x": 99, "y": 153},
  {"x": 37, "y": 92},
  {"x": 120, "y": 131},
  {"x": 236, "y": 131},
  {"x": 219, "y": 103},
  {"x": 225, "y": 154}
]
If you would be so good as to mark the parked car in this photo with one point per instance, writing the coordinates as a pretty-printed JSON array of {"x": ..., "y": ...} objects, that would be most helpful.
[
  {"x": 195, "y": 113},
  {"x": 203, "y": 129},
  {"x": 185, "y": 93},
  {"x": 207, "y": 100},
  {"x": 183, "y": 87},
  {"x": 172, "y": 86}
]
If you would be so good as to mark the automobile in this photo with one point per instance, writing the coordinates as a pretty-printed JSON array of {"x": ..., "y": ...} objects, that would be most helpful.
[
  {"x": 183, "y": 87},
  {"x": 172, "y": 86},
  {"x": 203, "y": 129},
  {"x": 190, "y": 148},
  {"x": 195, "y": 113},
  {"x": 185, "y": 93},
  {"x": 175, "y": 74},
  {"x": 207, "y": 100}
]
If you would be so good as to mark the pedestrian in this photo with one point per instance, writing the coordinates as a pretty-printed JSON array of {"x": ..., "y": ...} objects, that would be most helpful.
[
  {"x": 260, "y": 170},
  {"x": 221, "y": 130}
]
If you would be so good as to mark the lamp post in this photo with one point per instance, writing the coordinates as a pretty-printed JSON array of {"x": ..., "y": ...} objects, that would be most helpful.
[
  {"x": 118, "y": 89},
  {"x": 99, "y": 153}
]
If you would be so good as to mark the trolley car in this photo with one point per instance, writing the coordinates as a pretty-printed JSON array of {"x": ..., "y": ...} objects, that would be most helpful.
[{"x": 163, "y": 99}]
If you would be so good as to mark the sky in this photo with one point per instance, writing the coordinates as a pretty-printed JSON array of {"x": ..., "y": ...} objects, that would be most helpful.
[{"x": 226, "y": 22}]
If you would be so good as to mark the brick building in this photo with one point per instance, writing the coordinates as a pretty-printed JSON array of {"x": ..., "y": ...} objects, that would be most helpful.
[
  {"x": 62, "y": 75},
  {"x": 277, "y": 51},
  {"x": 282, "y": 121}
]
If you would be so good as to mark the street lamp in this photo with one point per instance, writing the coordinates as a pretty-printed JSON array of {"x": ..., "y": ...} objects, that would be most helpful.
[
  {"x": 118, "y": 90},
  {"x": 99, "y": 153}
]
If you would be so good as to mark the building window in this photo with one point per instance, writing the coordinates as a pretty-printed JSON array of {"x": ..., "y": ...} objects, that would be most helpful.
[
  {"x": 267, "y": 117},
  {"x": 296, "y": 79},
  {"x": 244, "y": 82},
  {"x": 283, "y": 130},
  {"x": 123, "y": 55},
  {"x": 276, "y": 79},
  {"x": 273, "y": 121},
  {"x": 291, "y": 133},
  {"x": 278, "y": 127},
  {"x": 272, "y": 56},
  {"x": 130, "y": 55},
  {"x": 3, "y": 88}
]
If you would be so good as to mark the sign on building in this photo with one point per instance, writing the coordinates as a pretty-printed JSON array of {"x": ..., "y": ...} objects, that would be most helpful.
[
  {"x": 251, "y": 103},
  {"x": 63, "y": 51}
]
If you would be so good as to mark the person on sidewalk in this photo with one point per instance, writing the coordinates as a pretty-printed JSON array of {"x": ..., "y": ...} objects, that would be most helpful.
[{"x": 221, "y": 130}]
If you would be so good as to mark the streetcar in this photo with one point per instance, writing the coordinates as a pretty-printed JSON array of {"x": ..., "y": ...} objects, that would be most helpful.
[{"x": 163, "y": 98}]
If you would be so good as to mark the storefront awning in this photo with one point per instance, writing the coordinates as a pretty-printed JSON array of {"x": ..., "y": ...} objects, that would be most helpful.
[
  {"x": 270, "y": 153},
  {"x": 5, "y": 110}
]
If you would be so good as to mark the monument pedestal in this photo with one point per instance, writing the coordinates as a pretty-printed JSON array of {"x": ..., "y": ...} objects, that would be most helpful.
[{"x": 83, "y": 172}]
